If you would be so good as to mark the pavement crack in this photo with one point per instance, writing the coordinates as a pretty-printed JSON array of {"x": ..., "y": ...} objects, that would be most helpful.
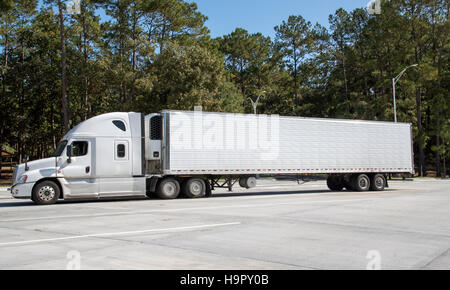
[
  {"x": 442, "y": 253},
  {"x": 214, "y": 253}
]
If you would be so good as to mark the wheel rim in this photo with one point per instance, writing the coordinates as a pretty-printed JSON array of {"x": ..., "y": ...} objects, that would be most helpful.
[
  {"x": 196, "y": 188},
  {"x": 379, "y": 182},
  {"x": 364, "y": 183},
  {"x": 170, "y": 188},
  {"x": 251, "y": 182},
  {"x": 47, "y": 193}
]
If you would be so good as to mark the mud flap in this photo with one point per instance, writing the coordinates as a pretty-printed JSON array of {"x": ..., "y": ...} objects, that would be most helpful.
[{"x": 208, "y": 191}]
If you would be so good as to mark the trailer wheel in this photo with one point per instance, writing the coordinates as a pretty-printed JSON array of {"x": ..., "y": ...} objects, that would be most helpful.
[
  {"x": 194, "y": 188},
  {"x": 335, "y": 183},
  {"x": 46, "y": 192},
  {"x": 378, "y": 182},
  {"x": 348, "y": 186},
  {"x": 168, "y": 188},
  {"x": 361, "y": 182},
  {"x": 247, "y": 182}
]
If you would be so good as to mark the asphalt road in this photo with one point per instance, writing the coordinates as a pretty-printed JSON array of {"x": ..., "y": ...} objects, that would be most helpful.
[{"x": 277, "y": 225}]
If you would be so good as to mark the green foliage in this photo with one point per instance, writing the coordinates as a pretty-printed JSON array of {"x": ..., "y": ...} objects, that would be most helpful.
[
  {"x": 6, "y": 6},
  {"x": 187, "y": 76},
  {"x": 148, "y": 55}
]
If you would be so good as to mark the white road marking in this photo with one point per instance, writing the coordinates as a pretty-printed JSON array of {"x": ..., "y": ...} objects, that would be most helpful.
[
  {"x": 119, "y": 234},
  {"x": 184, "y": 209}
]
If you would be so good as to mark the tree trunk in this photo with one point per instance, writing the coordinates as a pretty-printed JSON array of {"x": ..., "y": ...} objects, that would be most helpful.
[
  {"x": 422, "y": 171},
  {"x": 87, "y": 105},
  {"x": 345, "y": 82},
  {"x": 297, "y": 101},
  {"x": 133, "y": 89},
  {"x": 52, "y": 126},
  {"x": 21, "y": 103},
  {"x": 445, "y": 168},
  {"x": 438, "y": 151},
  {"x": 3, "y": 101},
  {"x": 438, "y": 129},
  {"x": 65, "y": 103}
]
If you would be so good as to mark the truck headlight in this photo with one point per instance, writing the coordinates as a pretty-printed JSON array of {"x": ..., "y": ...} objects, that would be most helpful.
[{"x": 22, "y": 179}]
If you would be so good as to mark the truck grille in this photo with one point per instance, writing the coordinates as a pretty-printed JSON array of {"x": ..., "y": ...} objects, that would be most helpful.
[{"x": 13, "y": 179}]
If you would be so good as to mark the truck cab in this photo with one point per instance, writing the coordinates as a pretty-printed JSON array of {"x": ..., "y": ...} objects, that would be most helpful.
[{"x": 101, "y": 157}]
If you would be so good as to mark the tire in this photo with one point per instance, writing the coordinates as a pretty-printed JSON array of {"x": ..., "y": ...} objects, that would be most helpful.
[
  {"x": 194, "y": 188},
  {"x": 247, "y": 182},
  {"x": 242, "y": 181},
  {"x": 348, "y": 186},
  {"x": 335, "y": 183},
  {"x": 361, "y": 182},
  {"x": 168, "y": 188},
  {"x": 377, "y": 182},
  {"x": 46, "y": 192},
  {"x": 208, "y": 191}
]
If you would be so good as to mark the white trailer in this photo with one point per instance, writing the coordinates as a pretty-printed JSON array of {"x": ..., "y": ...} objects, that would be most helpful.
[{"x": 173, "y": 152}]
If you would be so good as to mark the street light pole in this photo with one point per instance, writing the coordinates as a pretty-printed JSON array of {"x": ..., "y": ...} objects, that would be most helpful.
[
  {"x": 255, "y": 103},
  {"x": 394, "y": 81},
  {"x": 395, "y": 103}
]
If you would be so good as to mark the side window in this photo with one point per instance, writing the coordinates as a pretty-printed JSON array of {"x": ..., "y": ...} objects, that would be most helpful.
[
  {"x": 121, "y": 150},
  {"x": 119, "y": 124},
  {"x": 79, "y": 148}
]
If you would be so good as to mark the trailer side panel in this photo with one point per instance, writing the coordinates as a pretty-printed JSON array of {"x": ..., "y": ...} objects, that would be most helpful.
[{"x": 219, "y": 143}]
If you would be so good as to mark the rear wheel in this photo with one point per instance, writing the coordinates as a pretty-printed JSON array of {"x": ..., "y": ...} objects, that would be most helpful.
[
  {"x": 168, "y": 188},
  {"x": 46, "y": 192},
  {"x": 194, "y": 188},
  {"x": 335, "y": 183},
  {"x": 378, "y": 182},
  {"x": 361, "y": 182},
  {"x": 348, "y": 185},
  {"x": 247, "y": 182}
]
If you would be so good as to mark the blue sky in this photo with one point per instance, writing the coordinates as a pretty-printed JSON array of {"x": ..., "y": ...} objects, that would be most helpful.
[{"x": 224, "y": 16}]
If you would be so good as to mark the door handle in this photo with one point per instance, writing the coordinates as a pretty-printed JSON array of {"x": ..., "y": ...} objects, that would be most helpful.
[{"x": 88, "y": 168}]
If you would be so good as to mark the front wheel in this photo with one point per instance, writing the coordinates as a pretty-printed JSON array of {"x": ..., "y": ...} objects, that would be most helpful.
[{"x": 46, "y": 192}]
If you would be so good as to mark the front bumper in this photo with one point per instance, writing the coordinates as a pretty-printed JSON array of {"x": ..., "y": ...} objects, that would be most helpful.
[{"x": 22, "y": 190}]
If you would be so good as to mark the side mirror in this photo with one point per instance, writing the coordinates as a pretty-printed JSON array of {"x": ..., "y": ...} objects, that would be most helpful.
[
  {"x": 25, "y": 160},
  {"x": 69, "y": 153}
]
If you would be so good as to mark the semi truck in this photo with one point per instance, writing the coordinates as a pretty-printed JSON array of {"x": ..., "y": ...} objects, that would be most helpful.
[{"x": 191, "y": 153}]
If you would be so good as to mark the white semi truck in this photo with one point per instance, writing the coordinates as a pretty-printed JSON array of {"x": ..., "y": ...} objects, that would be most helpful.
[{"x": 192, "y": 153}]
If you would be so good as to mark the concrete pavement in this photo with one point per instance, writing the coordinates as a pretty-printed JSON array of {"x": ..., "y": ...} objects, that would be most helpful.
[{"x": 277, "y": 225}]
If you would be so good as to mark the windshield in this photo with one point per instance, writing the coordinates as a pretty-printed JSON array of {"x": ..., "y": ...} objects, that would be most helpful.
[{"x": 60, "y": 148}]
